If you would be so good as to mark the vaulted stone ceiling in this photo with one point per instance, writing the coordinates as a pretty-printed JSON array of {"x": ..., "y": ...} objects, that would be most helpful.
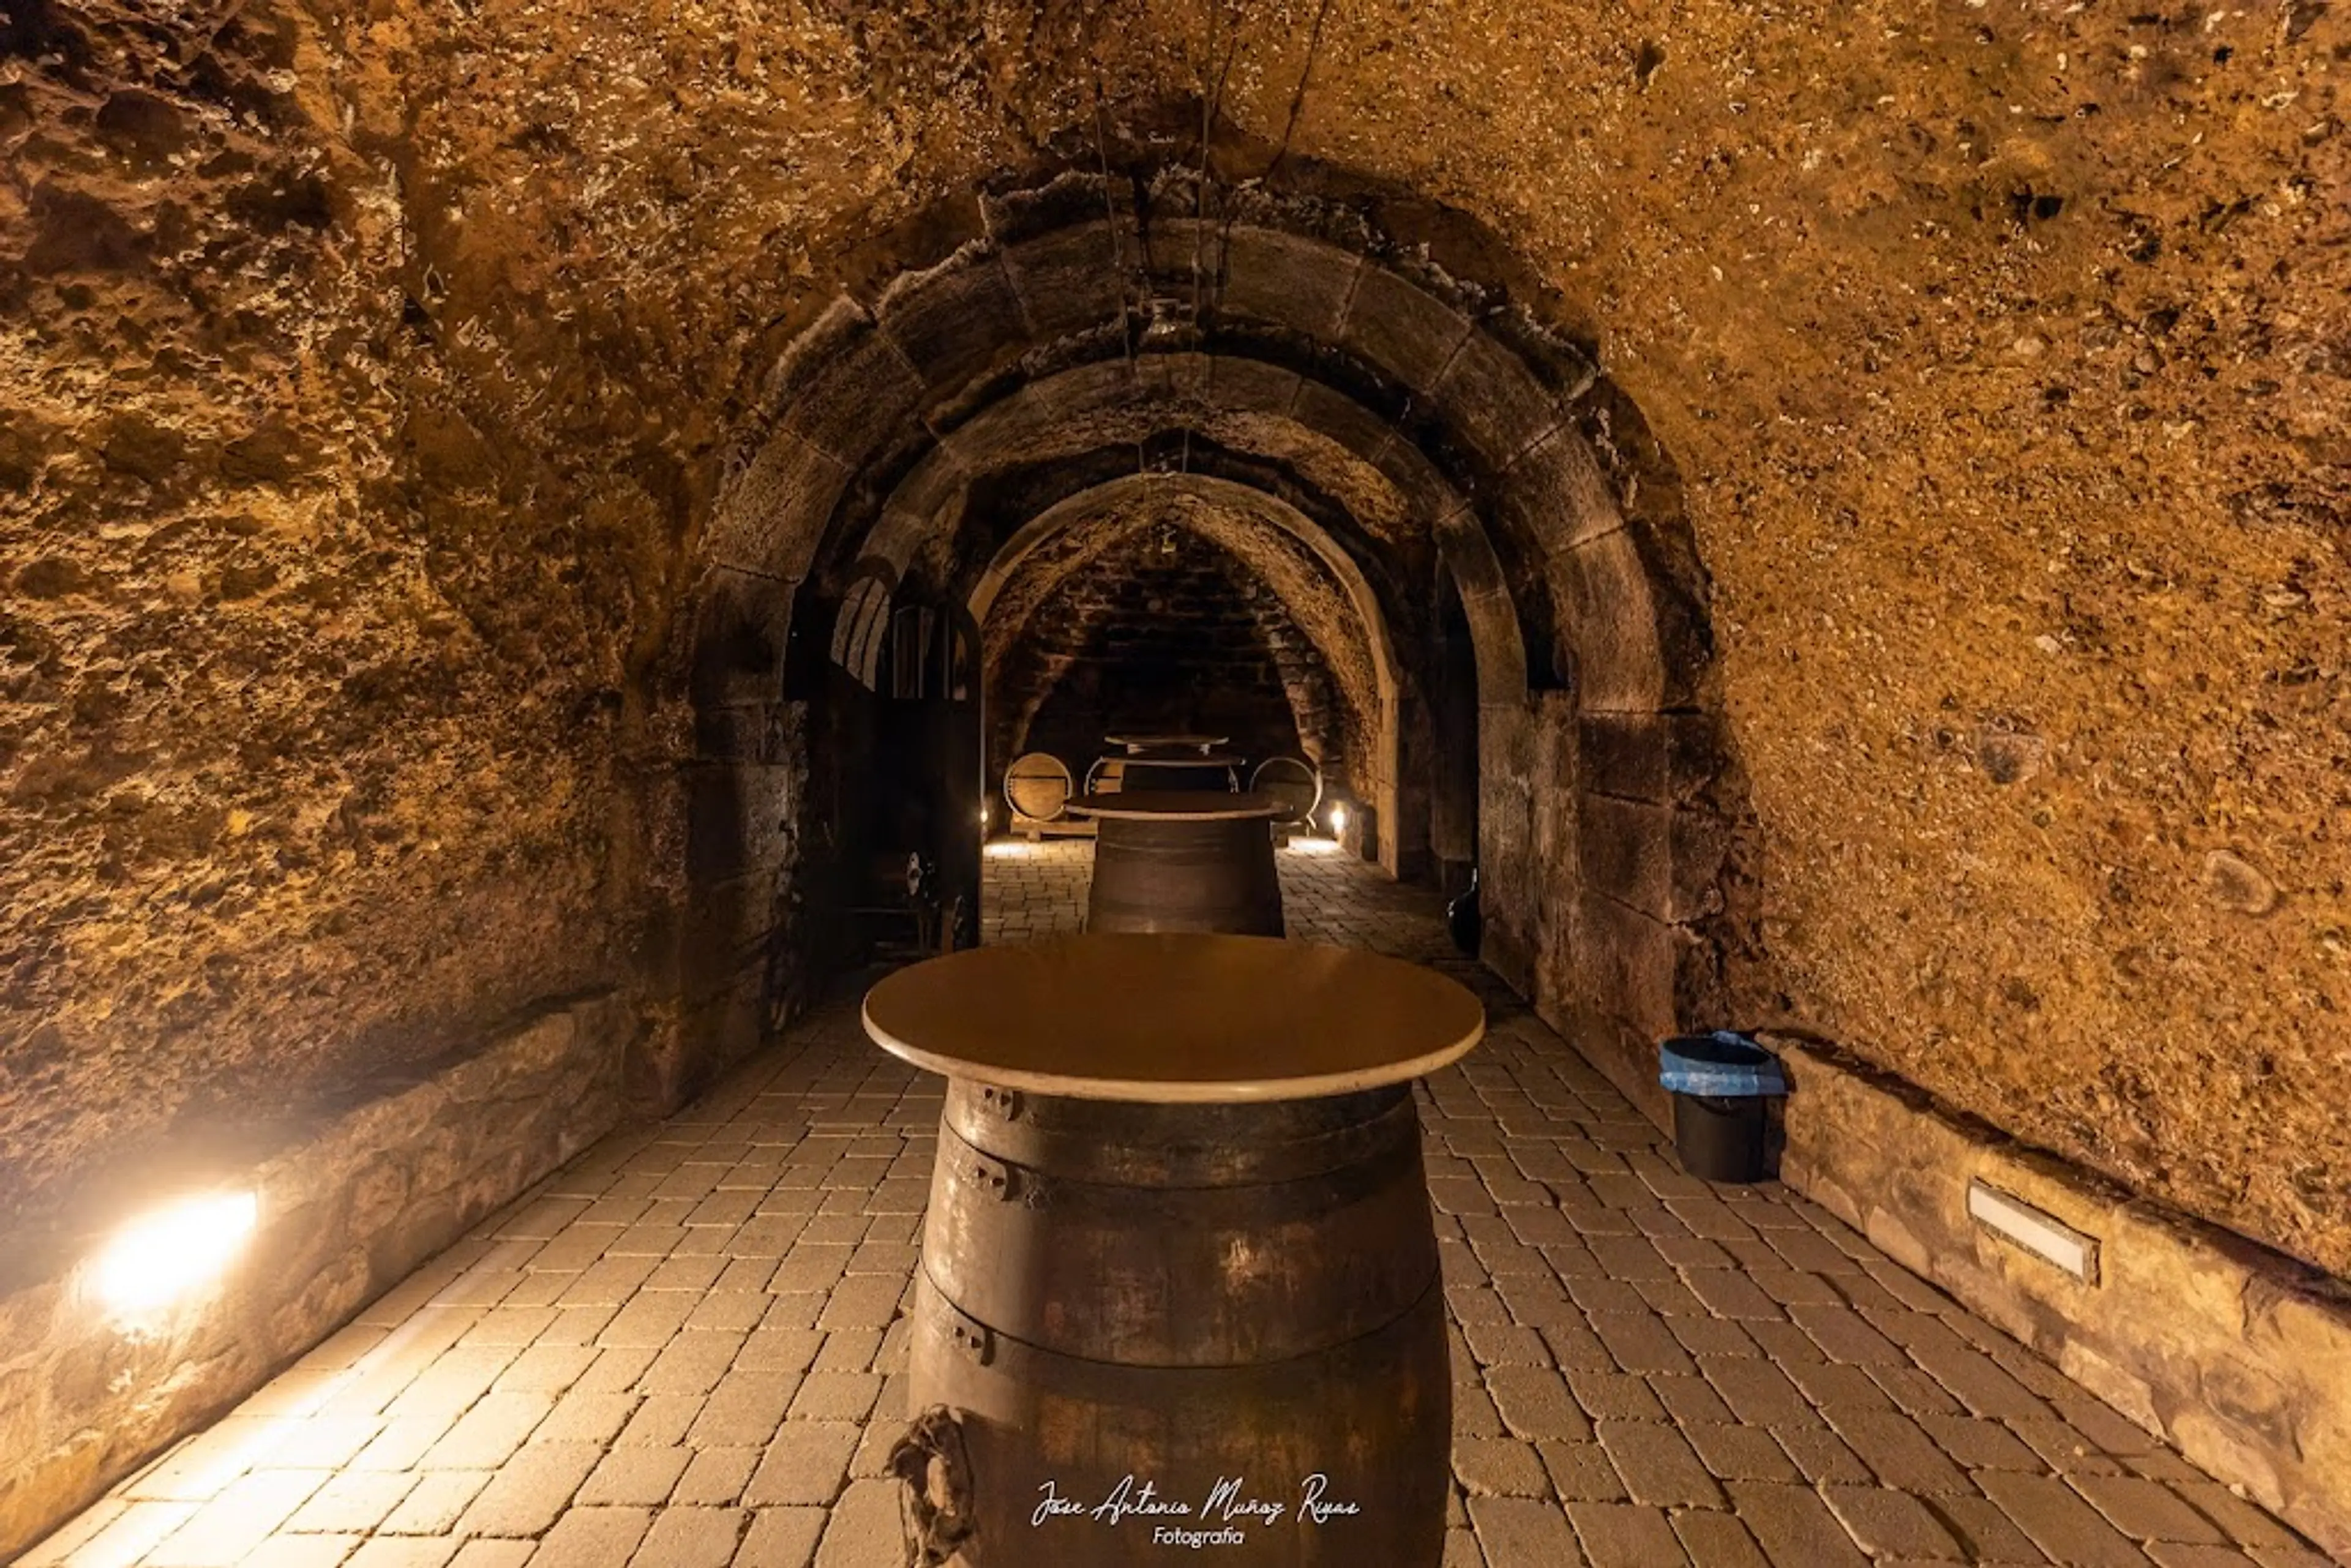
[{"x": 380, "y": 384}]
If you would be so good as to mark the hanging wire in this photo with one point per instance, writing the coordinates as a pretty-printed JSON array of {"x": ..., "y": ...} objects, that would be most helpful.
[
  {"x": 1297, "y": 98},
  {"x": 1110, "y": 209}
]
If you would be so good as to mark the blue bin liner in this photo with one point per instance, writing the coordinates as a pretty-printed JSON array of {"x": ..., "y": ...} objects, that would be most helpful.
[{"x": 1723, "y": 1065}]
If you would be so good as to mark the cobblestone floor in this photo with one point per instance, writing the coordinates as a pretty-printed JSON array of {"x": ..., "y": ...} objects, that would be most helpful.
[{"x": 685, "y": 1351}]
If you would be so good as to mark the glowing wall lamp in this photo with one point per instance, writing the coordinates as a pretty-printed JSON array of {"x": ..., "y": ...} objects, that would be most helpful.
[
  {"x": 174, "y": 1251},
  {"x": 1338, "y": 821}
]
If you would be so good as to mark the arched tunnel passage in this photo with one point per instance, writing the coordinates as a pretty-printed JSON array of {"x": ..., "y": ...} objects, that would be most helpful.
[{"x": 1457, "y": 512}]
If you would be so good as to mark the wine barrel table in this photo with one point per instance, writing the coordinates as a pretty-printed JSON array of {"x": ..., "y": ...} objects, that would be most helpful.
[
  {"x": 1178, "y": 1283},
  {"x": 1166, "y": 744},
  {"x": 1169, "y": 770},
  {"x": 1198, "y": 861}
]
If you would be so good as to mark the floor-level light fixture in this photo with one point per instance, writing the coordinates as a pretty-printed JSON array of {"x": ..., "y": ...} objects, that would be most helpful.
[{"x": 176, "y": 1250}]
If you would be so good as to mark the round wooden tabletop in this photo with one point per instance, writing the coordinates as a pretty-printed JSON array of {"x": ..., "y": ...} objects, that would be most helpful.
[
  {"x": 1166, "y": 742},
  {"x": 1181, "y": 759},
  {"x": 1174, "y": 1019},
  {"x": 1174, "y": 805}
]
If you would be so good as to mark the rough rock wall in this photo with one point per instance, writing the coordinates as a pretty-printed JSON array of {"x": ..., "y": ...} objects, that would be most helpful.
[
  {"x": 362, "y": 369},
  {"x": 2002, "y": 351}
]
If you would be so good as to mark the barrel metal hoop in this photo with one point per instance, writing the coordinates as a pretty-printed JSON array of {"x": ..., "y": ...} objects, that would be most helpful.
[{"x": 928, "y": 1460}]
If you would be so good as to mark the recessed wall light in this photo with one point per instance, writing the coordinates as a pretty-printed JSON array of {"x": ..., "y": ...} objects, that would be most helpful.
[
  {"x": 2041, "y": 1234},
  {"x": 174, "y": 1252}
]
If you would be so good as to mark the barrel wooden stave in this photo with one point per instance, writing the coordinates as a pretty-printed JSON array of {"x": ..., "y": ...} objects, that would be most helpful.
[
  {"x": 1185, "y": 875},
  {"x": 1251, "y": 1274},
  {"x": 1080, "y": 1339},
  {"x": 1373, "y": 1415}
]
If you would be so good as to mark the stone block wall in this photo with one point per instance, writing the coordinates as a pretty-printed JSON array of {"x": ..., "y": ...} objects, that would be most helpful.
[
  {"x": 1154, "y": 637},
  {"x": 2238, "y": 1355},
  {"x": 349, "y": 1204}
]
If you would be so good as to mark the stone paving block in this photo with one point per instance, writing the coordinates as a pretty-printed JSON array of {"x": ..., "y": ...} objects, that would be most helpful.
[
  {"x": 585, "y": 1415},
  {"x": 1720, "y": 1540},
  {"x": 1821, "y": 1456},
  {"x": 2063, "y": 1448},
  {"x": 638, "y": 1476},
  {"x": 1462, "y": 1550},
  {"x": 806, "y": 1465},
  {"x": 2059, "y": 1521},
  {"x": 1499, "y": 1467},
  {"x": 744, "y": 1410},
  {"x": 531, "y": 1491},
  {"x": 1888, "y": 1523},
  {"x": 1624, "y": 1535},
  {"x": 660, "y": 1421},
  {"x": 548, "y": 1369},
  {"x": 1899, "y": 1453},
  {"x": 354, "y": 1501},
  {"x": 1581, "y": 1472},
  {"x": 237, "y": 1520},
  {"x": 302, "y": 1551},
  {"x": 2173, "y": 1554},
  {"x": 1521, "y": 1532},
  {"x": 1620, "y": 1395},
  {"x": 383, "y": 1552},
  {"x": 1980, "y": 1383},
  {"x": 489, "y": 1433},
  {"x": 2245, "y": 1524},
  {"x": 1986, "y": 1533},
  {"x": 1913, "y": 1392},
  {"x": 1833, "y": 1384},
  {"x": 593, "y": 1538},
  {"x": 864, "y": 1531},
  {"x": 772, "y": 1349},
  {"x": 649, "y": 1321},
  {"x": 1688, "y": 1399},
  {"x": 1733, "y": 1452},
  {"x": 1731, "y": 1294},
  {"x": 1658, "y": 1465},
  {"x": 1783, "y": 1343},
  {"x": 2147, "y": 1510},
  {"x": 1641, "y": 1342},
  {"x": 438, "y": 1501},
  {"x": 835, "y": 1397},
  {"x": 1757, "y": 1392},
  {"x": 1793, "y": 1525},
  {"x": 1979, "y": 1445},
  {"x": 685, "y": 1537},
  {"x": 1712, "y": 1336},
  {"x": 1473, "y": 1414},
  {"x": 1536, "y": 1402}
]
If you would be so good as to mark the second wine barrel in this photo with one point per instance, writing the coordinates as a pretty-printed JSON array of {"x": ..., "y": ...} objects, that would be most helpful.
[{"x": 1185, "y": 874}]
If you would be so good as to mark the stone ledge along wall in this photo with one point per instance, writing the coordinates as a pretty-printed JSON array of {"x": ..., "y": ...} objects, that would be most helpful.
[{"x": 350, "y": 1199}]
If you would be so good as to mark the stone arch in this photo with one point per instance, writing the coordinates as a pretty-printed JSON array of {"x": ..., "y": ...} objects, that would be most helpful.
[
  {"x": 1399, "y": 375},
  {"x": 1382, "y": 702}
]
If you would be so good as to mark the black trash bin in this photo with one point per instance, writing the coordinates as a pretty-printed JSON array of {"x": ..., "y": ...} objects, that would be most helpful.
[{"x": 1719, "y": 1082}]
